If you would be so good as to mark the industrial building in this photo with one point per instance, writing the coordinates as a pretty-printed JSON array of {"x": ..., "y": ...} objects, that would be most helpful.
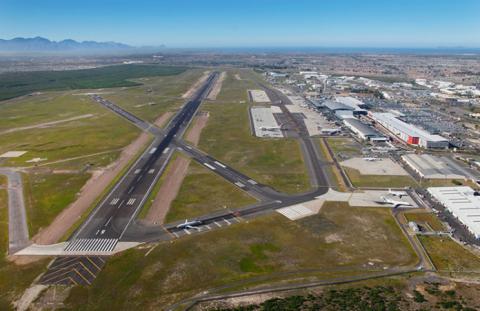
[
  {"x": 335, "y": 106},
  {"x": 344, "y": 114},
  {"x": 409, "y": 133},
  {"x": 362, "y": 130},
  {"x": 463, "y": 202},
  {"x": 436, "y": 167},
  {"x": 351, "y": 101}
]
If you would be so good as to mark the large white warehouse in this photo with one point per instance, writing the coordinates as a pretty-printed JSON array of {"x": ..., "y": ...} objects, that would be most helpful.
[
  {"x": 409, "y": 133},
  {"x": 463, "y": 203}
]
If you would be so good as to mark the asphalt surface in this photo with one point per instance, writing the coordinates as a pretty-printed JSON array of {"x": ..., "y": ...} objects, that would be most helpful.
[
  {"x": 17, "y": 217},
  {"x": 108, "y": 222}
]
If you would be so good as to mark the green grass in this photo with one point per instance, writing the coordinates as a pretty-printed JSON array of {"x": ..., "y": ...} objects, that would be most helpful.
[
  {"x": 227, "y": 136},
  {"x": 13, "y": 279},
  {"x": 203, "y": 191},
  {"x": 3, "y": 181},
  {"x": 21, "y": 83},
  {"x": 48, "y": 194},
  {"x": 444, "y": 183},
  {"x": 102, "y": 132},
  {"x": 340, "y": 241},
  {"x": 384, "y": 181},
  {"x": 428, "y": 218},
  {"x": 345, "y": 146},
  {"x": 447, "y": 255},
  {"x": 156, "y": 95}
]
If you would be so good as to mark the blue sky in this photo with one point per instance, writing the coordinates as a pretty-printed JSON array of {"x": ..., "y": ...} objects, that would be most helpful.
[{"x": 248, "y": 23}]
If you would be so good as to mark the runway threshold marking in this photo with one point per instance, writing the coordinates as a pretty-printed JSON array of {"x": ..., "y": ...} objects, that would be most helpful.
[
  {"x": 187, "y": 232},
  {"x": 218, "y": 225},
  {"x": 228, "y": 223},
  {"x": 175, "y": 234}
]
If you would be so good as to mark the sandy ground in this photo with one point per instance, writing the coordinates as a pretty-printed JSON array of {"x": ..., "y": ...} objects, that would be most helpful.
[
  {"x": 217, "y": 87},
  {"x": 92, "y": 189},
  {"x": 174, "y": 177},
  {"x": 46, "y": 124},
  {"x": 196, "y": 85}
]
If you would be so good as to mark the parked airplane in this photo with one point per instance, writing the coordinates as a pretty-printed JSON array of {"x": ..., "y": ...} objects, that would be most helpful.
[
  {"x": 399, "y": 194},
  {"x": 386, "y": 200},
  {"x": 192, "y": 224}
]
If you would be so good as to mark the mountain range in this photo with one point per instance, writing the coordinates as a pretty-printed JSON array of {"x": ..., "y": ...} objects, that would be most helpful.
[{"x": 39, "y": 44}]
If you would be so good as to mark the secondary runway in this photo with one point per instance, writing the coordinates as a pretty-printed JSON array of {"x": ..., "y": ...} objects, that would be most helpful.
[{"x": 17, "y": 217}]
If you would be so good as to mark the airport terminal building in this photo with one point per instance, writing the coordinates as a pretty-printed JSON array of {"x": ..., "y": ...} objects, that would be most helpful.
[{"x": 363, "y": 130}]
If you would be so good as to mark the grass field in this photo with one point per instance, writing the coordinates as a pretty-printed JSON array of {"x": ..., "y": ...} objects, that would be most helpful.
[
  {"x": 385, "y": 181},
  {"x": 227, "y": 136},
  {"x": 444, "y": 183},
  {"x": 448, "y": 255},
  {"x": 428, "y": 218},
  {"x": 102, "y": 132},
  {"x": 155, "y": 95},
  {"x": 202, "y": 192},
  {"x": 339, "y": 241},
  {"x": 48, "y": 194},
  {"x": 344, "y": 146},
  {"x": 22, "y": 83},
  {"x": 3, "y": 181},
  {"x": 13, "y": 279}
]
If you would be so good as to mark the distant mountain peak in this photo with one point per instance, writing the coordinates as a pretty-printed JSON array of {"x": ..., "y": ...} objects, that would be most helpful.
[{"x": 40, "y": 44}]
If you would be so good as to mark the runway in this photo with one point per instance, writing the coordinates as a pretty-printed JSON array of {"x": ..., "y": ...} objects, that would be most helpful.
[{"x": 107, "y": 223}]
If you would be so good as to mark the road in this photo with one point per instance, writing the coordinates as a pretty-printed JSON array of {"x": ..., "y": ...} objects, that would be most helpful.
[
  {"x": 17, "y": 217},
  {"x": 106, "y": 225}
]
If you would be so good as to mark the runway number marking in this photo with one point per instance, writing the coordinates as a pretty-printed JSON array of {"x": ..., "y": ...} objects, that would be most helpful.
[
  {"x": 137, "y": 171},
  {"x": 151, "y": 171},
  {"x": 153, "y": 150}
]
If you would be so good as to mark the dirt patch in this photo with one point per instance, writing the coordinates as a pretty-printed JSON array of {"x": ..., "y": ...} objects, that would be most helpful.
[
  {"x": 217, "y": 87},
  {"x": 162, "y": 120},
  {"x": 91, "y": 190},
  {"x": 174, "y": 176},
  {"x": 196, "y": 86}
]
